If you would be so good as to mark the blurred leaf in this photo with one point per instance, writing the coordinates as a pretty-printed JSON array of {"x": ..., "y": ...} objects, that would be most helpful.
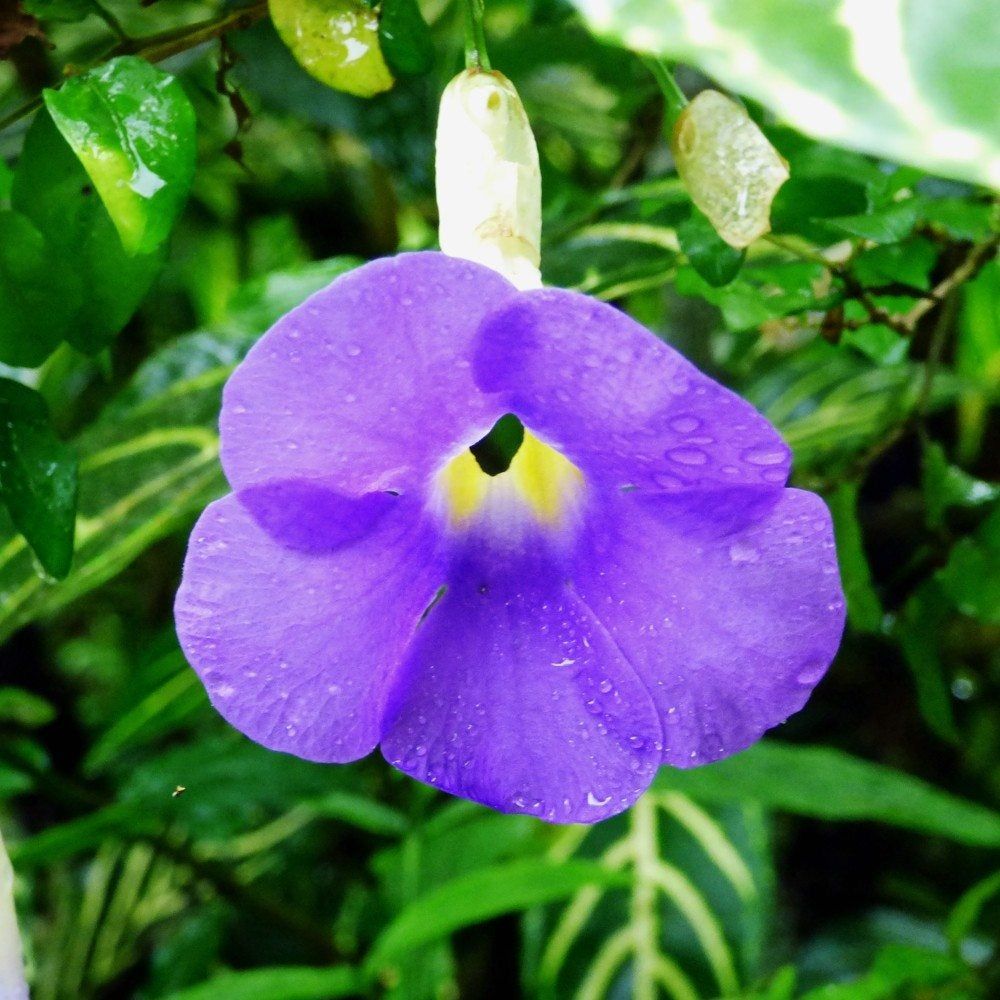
[
  {"x": 918, "y": 631},
  {"x": 405, "y": 38},
  {"x": 133, "y": 129},
  {"x": 277, "y": 984},
  {"x": 971, "y": 577},
  {"x": 897, "y": 968},
  {"x": 38, "y": 294},
  {"x": 336, "y": 41},
  {"x": 855, "y": 74},
  {"x": 480, "y": 895},
  {"x": 38, "y": 477},
  {"x": 692, "y": 920},
  {"x": 52, "y": 189},
  {"x": 707, "y": 252},
  {"x": 946, "y": 486},
  {"x": 22, "y": 708},
  {"x": 864, "y": 609},
  {"x": 966, "y": 912},
  {"x": 878, "y": 342},
  {"x": 830, "y": 784}
]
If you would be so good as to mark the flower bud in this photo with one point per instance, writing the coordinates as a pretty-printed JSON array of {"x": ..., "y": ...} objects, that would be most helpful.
[
  {"x": 489, "y": 188},
  {"x": 730, "y": 170}
]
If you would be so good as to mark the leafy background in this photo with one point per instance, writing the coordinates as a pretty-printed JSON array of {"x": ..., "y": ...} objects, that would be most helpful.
[{"x": 171, "y": 181}]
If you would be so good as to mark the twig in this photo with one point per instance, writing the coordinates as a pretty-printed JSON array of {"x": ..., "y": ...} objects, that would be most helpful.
[{"x": 156, "y": 48}]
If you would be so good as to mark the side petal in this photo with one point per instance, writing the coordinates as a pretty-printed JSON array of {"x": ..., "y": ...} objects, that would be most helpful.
[
  {"x": 626, "y": 408},
  {"x": 296, "y": 647},
  {"x": 730, "y": 634},
  {"x": 368, "y": 384},
  {"x": 514, "y": 696}
]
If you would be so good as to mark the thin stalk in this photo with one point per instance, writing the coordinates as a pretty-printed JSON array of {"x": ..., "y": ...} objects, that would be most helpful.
[
  {"x": 476, "y": 56},
  {"x": 673, "y": 96}
]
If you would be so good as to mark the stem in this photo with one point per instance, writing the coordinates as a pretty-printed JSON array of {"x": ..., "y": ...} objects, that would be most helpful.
[
  {"x": 476, "y": 56},
  {"x": 673, "y": 96},
  {"x": 155, "y": 48},
  {"x": 111, "y": 21}
]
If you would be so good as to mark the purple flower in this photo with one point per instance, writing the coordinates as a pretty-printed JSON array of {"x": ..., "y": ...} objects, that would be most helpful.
[{"x": 638, "y": 588}]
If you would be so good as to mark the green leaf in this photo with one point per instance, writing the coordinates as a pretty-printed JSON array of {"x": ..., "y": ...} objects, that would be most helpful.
[
  {"x": 963, "y": 918},
  {"x": 971, "y": 577},
  {"x": 38, "y": 294},
  {"x": 707, "y": 252},
  {"x": 691, "y": 921},
  {"x": 886, "y": 225},
  {"x": 830, "y": 784},
  {"x": 280, "y": 983},
  {"x": 336, "y": 41},
  {"x": 918, "y": 631},
  {"x": 878, "y": 342},
  {"x": 38, "y": 477},
  {"x": 149, "y": 464},
  {"x": 480, "y": 895},
  {"x": 864, "y": 609},
  {"x": 886, "y": 79},
  {"x": 133, "y": 129},
  {"x": 59, "y": 10},
  {"x": 82, "y": 246},
  {"x": 22, "y": 708},
  {"x": 405, "y": 38},
  {"x": 945, "y": 486}
]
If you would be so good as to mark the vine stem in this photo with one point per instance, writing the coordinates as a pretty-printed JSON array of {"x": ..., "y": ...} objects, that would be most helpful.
[
  {"x": 476, "y": 56},
  {"x": 163, "y": 45},
  {"x": 673, "y": 96}
]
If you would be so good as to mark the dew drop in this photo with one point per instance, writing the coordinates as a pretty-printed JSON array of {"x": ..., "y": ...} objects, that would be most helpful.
[
  {"x": 605, "y": 686},
  {"x": 765, "y": 455},
  {"x": 593, "y": 800},
  {"x": 811, "y": 673},
  {"x": 353, "y": 350},
  {"x": 687, "y": 456},
  {"x": 685, "y": 425},
  {"x": 739, "y": 552}
]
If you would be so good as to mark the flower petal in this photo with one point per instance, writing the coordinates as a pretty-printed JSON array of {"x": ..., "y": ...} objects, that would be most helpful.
[
  {"x": 729, "y": 634},
  {"x": 514, "y": 696},
  {"x": 367, "y": 385},
  {"x": 296, "y": 647},
  {"x": 622, "y": 405}
]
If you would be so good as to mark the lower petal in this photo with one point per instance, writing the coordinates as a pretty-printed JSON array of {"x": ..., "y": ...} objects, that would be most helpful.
[
  {"x": 513, "y": 695},
  {"x": 730, "y": 633},
  {"x": 296, "y": 646}
]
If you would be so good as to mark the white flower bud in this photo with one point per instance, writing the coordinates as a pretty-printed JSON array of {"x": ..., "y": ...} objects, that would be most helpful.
[
  {"x": 12, "y": 984},
  {"x": 489, "y": 188},
  {"x": 730, "y": 170}
]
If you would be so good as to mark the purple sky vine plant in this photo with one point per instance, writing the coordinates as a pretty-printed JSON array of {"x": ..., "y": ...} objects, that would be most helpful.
[{"x": 633, "y": 585}]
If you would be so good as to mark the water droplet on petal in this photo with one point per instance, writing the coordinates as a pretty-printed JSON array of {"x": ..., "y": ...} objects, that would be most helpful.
[{"x": 687, "y": 456}]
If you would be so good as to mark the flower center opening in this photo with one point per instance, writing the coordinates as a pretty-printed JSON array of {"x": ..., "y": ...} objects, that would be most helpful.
[{"x": 509, "y": 470}]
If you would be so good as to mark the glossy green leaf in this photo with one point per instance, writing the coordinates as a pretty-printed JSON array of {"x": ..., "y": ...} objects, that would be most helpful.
[
  {"x": 714, "y": 259},
  {"x": 52, "y": 189},
  {"x": 886, "y": 78},
  {"x": 39, "y": 294},
  {"x": 336, "y": 41},
  {"x": 830, "y": 784},
  {"x": 38, "y": 477},
  {"x": 288, "y": 983},
  {"x": 405, "y": 38},
  {"x": 480, "y": 895},
  {"x": 133, "y": 129}
]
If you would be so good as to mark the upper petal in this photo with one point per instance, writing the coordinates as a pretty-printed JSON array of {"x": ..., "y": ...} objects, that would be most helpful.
[
  {"x": 730, "y": 634},
  {"x": 296, "y": 642},
  {"x": 368, "y": 384},
  {"x": 625, "y": 407},
  {"x": 514, "y": 695}
]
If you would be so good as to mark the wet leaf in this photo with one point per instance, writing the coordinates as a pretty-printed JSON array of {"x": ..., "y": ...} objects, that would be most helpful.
[
  {"x": 132, "y": 127},
  {"x": 37, "y": 477},
  {"x": 336, "y": 41}
]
